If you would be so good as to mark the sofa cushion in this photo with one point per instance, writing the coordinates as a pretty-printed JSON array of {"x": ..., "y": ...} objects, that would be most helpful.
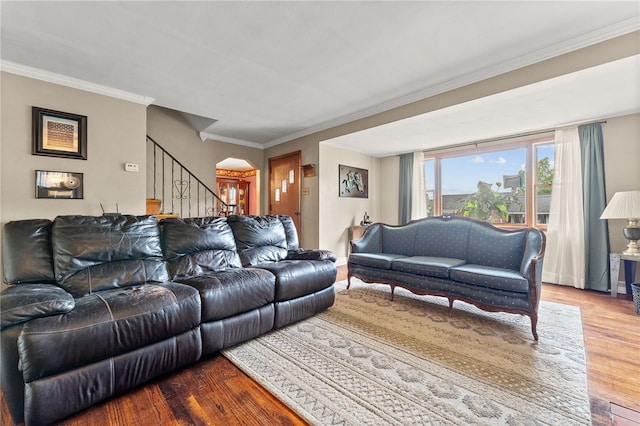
[
  {"x": 259, "y": 239},
  {"x": 106, "y": 324},
  {"x": 197, "y": 246},
  {"x": 94, "y": 253},
  {"x": 495, "y": 247},
  {"x": 296, "y": 278},
  {"x": 374, "y": 260},
  {"x": 426, "y": 265},
  {"x": 232, "y": 292},
  {"x": 490, "y": 277},
  {"x": 26, "y": 252}
]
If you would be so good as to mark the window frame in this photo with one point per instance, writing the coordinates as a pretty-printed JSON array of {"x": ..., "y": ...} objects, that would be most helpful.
[{"x": 531, "y": 179}]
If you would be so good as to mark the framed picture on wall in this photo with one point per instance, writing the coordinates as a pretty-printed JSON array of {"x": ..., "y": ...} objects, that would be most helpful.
[
  {"x": 59, "y": 134},
  {"x": 353, "y": 182},
  {"x": 65, "y": 185}
]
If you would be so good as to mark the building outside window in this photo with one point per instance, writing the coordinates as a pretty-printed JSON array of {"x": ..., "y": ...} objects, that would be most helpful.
[{"x": 507, "y": 184}]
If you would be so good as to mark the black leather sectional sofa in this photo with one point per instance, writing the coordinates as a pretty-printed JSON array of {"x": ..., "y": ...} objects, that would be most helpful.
[{"x": 98, "y": 305}]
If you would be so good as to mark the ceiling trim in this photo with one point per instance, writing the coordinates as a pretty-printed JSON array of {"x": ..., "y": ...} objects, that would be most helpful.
[
  {"x": 204, "y": 136},
  {"x": 612, "y": 31},
  {"x": 63, "y": 80}
]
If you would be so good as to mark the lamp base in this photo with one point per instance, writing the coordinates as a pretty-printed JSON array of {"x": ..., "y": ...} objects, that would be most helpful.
[
  {"x": 632, "y": 233},
  {"x": 632, "y": 249}
]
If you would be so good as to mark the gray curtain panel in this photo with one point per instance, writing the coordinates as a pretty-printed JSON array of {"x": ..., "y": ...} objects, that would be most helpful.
[
  {"x": 596, "y": 234},
  {"x": 406, "y": 186}
]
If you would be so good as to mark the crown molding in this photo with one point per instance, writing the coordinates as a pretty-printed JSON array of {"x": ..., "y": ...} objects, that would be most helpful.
[
  {"x": 204, "y": 136},
  {"x": 63, "y": 80},
  {"x": 612, "y": 31}
]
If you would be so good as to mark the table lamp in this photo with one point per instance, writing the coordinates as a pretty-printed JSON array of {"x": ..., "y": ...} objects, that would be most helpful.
[{"x": 626, "y": 205}]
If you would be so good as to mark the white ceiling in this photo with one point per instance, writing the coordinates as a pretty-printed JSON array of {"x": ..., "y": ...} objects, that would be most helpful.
[{"x": 261, "y": 73}]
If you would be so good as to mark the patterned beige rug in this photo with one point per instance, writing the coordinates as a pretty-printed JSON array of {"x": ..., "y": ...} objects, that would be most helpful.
[{"x": 370, "y": 361}]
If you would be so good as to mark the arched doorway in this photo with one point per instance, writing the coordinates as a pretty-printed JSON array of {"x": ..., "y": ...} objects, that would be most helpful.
[{"x": 238, "y": 182}]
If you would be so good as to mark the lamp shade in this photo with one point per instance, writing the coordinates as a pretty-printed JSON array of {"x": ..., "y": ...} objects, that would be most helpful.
[{"x": 623, "y": 205}]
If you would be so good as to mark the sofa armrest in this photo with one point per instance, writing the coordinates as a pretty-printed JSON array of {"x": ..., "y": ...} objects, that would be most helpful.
[
  {"x": 301, "y": 254},
  {"x": 531, "y": 266},
  {"x": 370, "y": 242},
  {"x": 21, "y": 303}
]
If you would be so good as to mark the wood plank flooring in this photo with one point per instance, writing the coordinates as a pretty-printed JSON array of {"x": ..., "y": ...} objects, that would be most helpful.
[{"x": 215, "y": 392}]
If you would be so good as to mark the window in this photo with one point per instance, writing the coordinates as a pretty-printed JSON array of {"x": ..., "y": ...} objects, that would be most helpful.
[{"x": 508, "y": 184}]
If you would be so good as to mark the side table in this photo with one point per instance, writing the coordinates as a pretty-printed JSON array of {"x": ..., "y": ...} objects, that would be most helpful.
[{"x": 630, "y": 263}]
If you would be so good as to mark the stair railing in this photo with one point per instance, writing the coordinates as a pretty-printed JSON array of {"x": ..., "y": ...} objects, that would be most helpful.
[{"x": 180, "y": 189}]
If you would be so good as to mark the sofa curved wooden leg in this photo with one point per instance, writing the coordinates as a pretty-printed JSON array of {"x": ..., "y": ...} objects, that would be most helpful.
[
  {"x": 534, "y": 323},
  {"x": 348, "y": 282},
  {"x": 393, "y": 287},
  {"x": 451, "y": 306}
]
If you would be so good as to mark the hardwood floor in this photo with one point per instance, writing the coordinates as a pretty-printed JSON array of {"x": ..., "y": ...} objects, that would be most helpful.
[{"x": 215, "y": 392}]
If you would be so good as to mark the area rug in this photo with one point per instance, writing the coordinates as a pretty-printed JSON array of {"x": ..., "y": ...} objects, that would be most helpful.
[{"x": 371, "y": 361}]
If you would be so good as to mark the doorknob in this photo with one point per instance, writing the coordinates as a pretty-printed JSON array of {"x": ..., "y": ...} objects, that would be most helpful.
[{"x": 296, "y": 213}]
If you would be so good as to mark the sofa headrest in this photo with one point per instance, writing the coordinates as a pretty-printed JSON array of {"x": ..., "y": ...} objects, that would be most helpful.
[
  {"x": 196, "y": 246},
  {"x": 26, "y": 252},
  {"x": 93, "y": 253},
  {"x": 290, "y": 232},
  {"x": 259, "y": 239}
]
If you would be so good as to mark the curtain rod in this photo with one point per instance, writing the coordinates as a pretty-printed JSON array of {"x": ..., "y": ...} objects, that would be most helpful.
[{"x": 519, "y": 135}]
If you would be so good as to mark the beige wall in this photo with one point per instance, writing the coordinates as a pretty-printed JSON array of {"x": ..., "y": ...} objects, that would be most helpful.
[
  {"x": 115, "y": 135},
  {"x": 621, "y": 154},
  {"x": 339, "y": 213},
  {"x": 170, "y": 129},
  {"x": 309, "y": 203}
]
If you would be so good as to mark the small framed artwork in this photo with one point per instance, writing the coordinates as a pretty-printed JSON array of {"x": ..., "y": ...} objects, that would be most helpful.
[
  {"x": 59, "y": 134},
  {"x": 65, "y": 185},
  {"x": 353, "y": 182}
]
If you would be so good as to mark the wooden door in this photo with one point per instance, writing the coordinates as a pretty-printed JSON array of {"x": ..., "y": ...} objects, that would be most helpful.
[{"x": 284, "y": 186}]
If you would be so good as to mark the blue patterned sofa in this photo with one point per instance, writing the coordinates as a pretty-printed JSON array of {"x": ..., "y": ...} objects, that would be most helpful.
[{"x": 462, "y": 259}]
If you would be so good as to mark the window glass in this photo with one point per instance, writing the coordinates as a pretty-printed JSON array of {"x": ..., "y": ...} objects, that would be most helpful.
[
  {"x": 544, "y": 156},
  {"x": 430, "y": 184},
  {"x": 494, "y": 185},
  {"x": 486, "y": 186}
]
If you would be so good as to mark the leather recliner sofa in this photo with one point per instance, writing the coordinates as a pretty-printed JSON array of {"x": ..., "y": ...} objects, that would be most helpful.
[{"x": 97, "y": 305}]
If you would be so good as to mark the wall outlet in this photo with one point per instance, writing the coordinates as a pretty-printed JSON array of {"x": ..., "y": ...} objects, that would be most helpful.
[{"x": 131, "y": 167}]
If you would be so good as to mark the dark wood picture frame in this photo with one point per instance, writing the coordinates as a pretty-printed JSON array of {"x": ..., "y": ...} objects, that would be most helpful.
[
  {"x": 59, "y": 134},
  {"x": 59, "y": 185},
  {"x": 353, "y": 182}
]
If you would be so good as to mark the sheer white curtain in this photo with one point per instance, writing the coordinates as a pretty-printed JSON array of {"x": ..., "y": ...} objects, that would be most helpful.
[
  {"x": 564, "y": 260},
  {"x": 418, "y": 190}
]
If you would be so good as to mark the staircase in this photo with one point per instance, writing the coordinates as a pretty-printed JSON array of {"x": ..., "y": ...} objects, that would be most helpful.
[{"x": 176, "y": 192}]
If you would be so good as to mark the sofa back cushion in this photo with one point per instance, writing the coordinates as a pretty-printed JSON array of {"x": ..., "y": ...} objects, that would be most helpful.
[
  {"x": 93, "y": 253},
  {"x": 290, "y": 232},
  {"x": 196, "y": 246},
  {"x": 259, "y": 239},
  {"x": 442, "y": 237},
  {"x": 399, "y": 239},
  {"x": 490, "y": 246},
  {"x": 433, "y": 237},
  {"x": 26, "y": 252}
]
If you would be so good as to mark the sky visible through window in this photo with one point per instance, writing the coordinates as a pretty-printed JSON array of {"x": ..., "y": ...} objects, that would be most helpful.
[{"x": 460, "y": 175}]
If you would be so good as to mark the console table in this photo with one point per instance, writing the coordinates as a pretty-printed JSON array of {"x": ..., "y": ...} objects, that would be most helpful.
[{"x": 630, "y": 263}]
